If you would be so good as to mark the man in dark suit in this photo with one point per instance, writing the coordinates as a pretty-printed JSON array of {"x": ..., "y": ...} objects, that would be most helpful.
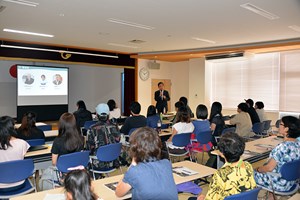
[{"x": 161, "y": 97}]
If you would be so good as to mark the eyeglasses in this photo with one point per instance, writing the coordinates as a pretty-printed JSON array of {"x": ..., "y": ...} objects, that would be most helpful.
[{"x": 281, "y": 124}]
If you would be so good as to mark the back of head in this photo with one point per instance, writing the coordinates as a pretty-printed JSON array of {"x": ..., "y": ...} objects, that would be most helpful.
[
  {"x": 145, "y": 145},
  {"x": 78, "y": 185},
  {"x": 111, "y": 104},
  {"x": 250, "y": 102},
  {"x": 216, "y": 108},
  {"x": 232, "y": 146},
  {"x": 151, "y": 111},
  {"x": 81, "y": 105},
  {"x": 28, "y": 122},
  {"x": 135, "y": 107},
  {"x": 293, "y": 124},
  {"x": 6, "y": 131},
  {"x": 179, "y": 104},
  {"x": 243, "y": 107},
  {"x": 183, "y": 115},
  {"x": 102, "y": 111},
  {"x": 259, "y": 105},
  {"x": 201, "y": 112},
  {"x": 184, "y": 100}
]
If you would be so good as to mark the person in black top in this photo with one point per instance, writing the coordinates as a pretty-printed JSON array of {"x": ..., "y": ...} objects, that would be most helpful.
[
  {"x": 217, "y": 123},
  {"x": 68, "y": 140},
  {"x": 136, "y": 120},
  {"x": 82, "y": 114},
  {"x": 161, "y": 97},
  {"x": 184, "y": 100},
  {"x": 252, "y": 112},
  {"x": 28, "y": 129}
]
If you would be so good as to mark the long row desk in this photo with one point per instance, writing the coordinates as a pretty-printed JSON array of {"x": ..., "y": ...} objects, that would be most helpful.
[{"x": 108, "y": 194}]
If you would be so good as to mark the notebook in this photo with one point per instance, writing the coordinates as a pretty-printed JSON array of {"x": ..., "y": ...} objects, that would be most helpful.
[{"x": 36, "y": 148}]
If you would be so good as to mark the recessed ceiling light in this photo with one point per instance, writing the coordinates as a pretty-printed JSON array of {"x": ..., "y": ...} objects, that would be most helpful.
[
  {"x": 142, "y": 26},
  {"x": 203, "y": 40},
  {"x": 23, "y": 2},
  {"x": 259, "y": 11},
  {"x": 295, "y": 28},
  {"x": 123, "y": 45},
  {"x": 61, "y": 15},
  {"x": 27, "y": 33}
]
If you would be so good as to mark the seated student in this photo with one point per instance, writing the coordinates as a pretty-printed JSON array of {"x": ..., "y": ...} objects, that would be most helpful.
[
  {"x": 178, "y": 104},
  {"x": 184, "y": 100},
  {"x": 242, "y": 121},
  {"x": 286, "y": 151},
  {"x": 28, "y": 129},
  {"x": 152, "y": 117},
  {"x": 182, "y": 125},
  {"x": 114, "y": 112},
  {"x": 253, "y": 114},
  {"x": 82, "y": 114},
  {"x": 11, "y": 148},
  {"x": 68, "y": 140},
  {"x": 149, "y": 177},
  {"x": 236, "y": 175},
  {"x": 136, "y": 120},
  {"x": 217, "y": 123},
  {"x": 78, "y": 186},
  {"x": 259, "y": 107}
]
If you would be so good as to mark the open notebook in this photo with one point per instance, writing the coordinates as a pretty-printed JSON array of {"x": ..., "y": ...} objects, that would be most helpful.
[{"x": 183, "y": 171}]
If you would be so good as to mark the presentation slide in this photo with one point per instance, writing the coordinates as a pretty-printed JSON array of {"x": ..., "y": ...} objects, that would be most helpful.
[{"x": 42, "y": 85}]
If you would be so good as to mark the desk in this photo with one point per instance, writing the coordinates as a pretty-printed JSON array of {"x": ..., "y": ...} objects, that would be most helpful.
[
  {"x": 108, "y": 194},
  {"x": 37, "y": 124},
  {"x": 41, "y": 158},
  {"x": 295, "y": 197},
  {"x": 52, "y": 133}
]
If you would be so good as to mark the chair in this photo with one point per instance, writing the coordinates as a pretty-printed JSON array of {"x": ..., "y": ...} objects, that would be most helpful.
[
  {"x": 225, "y": 130},
  {"x": 106, "y": 153},
  {"x": 46, "y": 127},
  {"x": 247, "y": 195},
  {"x": 66, "y": 161},
  {"x": 36, "y": 142},
  {"x": 267, "y": 126},
  {"x": 15, "y": 171},
  {"x": 258, "y": 128},
  {"x": 203, "y": 138},
  {"x": 181, "y": 140},
  {"x": 87, "y": 125},
  {"x": 289, "y": 171}
]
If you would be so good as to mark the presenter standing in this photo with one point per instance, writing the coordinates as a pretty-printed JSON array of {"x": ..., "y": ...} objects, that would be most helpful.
[{"x": 161, "y": 97}]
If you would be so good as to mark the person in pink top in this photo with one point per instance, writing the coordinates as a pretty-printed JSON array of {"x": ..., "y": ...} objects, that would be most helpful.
[{"x": 11, "y": 148}]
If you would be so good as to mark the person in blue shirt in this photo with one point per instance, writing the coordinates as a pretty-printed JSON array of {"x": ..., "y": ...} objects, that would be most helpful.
[
  {"x": 152, "y": 117},
  {"x": 148, "y": 176}
]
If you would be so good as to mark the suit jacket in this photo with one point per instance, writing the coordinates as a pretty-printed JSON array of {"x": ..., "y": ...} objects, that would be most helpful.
[{"x": 161, "y": 103}]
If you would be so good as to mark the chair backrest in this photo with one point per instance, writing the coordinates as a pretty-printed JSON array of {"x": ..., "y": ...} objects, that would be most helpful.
[
  {"x": 182, "y": 139},
  {"x": 36, "y": 142},
  {"x": 201, "y": 126},
  {"x": 88, "y": 124},
  {"x": 164, "y": 126},
  {"x": 109, "y": 152},
  {"x": 204, "y": 137},
  {"x": 131, "y": 131},
  {"x": 46, "y": 127},
  {"x": 258, "y": 128},
  {"x": 277, "y": 123},
  {"x": 17, "y": 170},
  {"x": 228, "y": 130},
  {"x": 72, "y": 160},
  {"x": 267, "y": 124},
  {"x": 290, "y": 171},
  {"x": 248, "y": 195}
]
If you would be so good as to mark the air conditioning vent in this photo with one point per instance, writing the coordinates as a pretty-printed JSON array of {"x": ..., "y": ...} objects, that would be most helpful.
[
  {"x": 137, "y": 41},
  {"x": 153, "y": 65},
  {"x": 238, "y": 56}
]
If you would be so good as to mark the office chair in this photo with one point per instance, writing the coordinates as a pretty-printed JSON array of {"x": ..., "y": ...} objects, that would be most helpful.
[
  {"x": 180, "y": 140},
  {"x": 15, "y": 171},
  {"x": 36, "y": 142},
  {"x": 204, "y": 139},
  {"x": 247, "y": 195}
]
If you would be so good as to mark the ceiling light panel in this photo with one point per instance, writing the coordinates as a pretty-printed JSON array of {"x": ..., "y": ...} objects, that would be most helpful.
[
  {"x": 136, "y": 25},
  {"x": 123, "y": 45},
  {"x": 295, "y": 28},
  {"x": 23, "y": 2},
  {"x": 259, "y": 11},
  {"x": 203, "y": 40},
  {"x": 27, "y": 33}
]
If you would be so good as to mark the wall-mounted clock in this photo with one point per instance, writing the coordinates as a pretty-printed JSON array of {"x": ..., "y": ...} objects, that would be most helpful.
[{"x": 144, "y": 73}]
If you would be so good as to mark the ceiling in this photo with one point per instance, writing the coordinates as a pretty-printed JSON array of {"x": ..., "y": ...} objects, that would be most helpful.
[{"x": 225, "y": 24}]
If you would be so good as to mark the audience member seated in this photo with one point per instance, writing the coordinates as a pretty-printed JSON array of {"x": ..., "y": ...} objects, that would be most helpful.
[
  {"x": 114, "y": 111},
  {"x": 201, "y": 125},
  {"x": 286, "y": 151},
  {"x": 242, "y": 121},
  {"x": 182, "y": 125},
  {"x": 184, "y": 100},
  {"x": 11, "y": 148},
  {"x": 82, "y": 114},
  {"x": 259, "y": 107},
  {"x": 178, "y": 105},
  {"x": 28, "y": 129},
  {"x": 148, "y": 177},
  {"x": 68, "y": 140},
  {"x": 152, "y": 117},
  {"x": 217, "y": 123},
  {"x": 78, "y": 186},
  {"x": 136, "y": 120},
  {"x": 253, "y": 114},
  {"x": 236, "y": 175},
  {"x": 102, "y": 133}
]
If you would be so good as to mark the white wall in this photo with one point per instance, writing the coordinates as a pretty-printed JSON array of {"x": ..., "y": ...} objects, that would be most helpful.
[{"x": 92, "y": 84}]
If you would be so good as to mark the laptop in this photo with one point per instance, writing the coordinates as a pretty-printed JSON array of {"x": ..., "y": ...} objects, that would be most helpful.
[{"x": 36, "y": 148}]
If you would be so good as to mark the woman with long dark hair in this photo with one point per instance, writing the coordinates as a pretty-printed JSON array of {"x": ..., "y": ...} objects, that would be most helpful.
[
  {"x": 28, "y": 129},
  {"x": 217, "y": 123},
  {"x": 82, "y": 114},
  {"x": 68, "y": 140}
]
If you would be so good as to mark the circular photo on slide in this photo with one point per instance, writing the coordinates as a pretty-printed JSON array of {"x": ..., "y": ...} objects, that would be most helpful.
[
  {"x": 28, "y": 79},
  {"x": 57, "y": 79},
  {"x": 43, "y": 80}
]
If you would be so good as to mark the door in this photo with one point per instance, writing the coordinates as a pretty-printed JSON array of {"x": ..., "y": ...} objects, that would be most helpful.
[{"x": 154, "y": 87}]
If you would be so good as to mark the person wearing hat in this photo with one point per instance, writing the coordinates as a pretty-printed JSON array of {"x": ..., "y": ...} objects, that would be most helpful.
[
  {"x": 252, "y": 112},
  {"x": 102, "y": 133}
]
